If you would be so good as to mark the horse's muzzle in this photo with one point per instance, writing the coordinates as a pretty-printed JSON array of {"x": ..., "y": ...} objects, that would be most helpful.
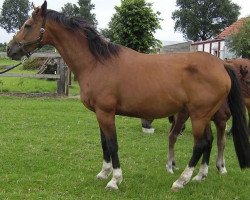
[{"x": 14, "y": 51}]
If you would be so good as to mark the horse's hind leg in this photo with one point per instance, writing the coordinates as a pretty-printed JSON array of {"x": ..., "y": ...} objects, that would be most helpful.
[
  {"x": 177, "y": 125},
  {"x": 208, "y": 140},
  {"x": 110, "y": 148},
  {"x": 200, "y": 145}
]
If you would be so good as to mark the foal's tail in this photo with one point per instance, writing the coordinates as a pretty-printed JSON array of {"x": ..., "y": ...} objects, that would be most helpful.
[{"x": 239, "y": 129}]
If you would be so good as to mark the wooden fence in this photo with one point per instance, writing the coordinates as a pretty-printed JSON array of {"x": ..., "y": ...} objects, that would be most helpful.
[{"x": 62, "y": 75}]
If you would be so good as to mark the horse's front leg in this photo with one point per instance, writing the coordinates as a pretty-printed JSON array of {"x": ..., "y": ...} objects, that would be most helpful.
[
  {"x": 106, "y": 122},
  {"x": 106, "y": 166}
]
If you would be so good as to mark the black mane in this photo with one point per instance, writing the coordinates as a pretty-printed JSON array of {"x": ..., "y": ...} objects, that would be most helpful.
[{"x": 98, "y": 45}]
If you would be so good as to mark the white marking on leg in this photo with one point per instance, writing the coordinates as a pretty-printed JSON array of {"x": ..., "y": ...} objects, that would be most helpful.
[
  {"x": 148, "y": 130},
  {"x": 106, "y": 171},
  {"x": 116, "y": 179},
  {"x": 169, "y": 165},
  {"x": 183, "y": 179},
  {"x": 202, "y": 174},
  {"x": 221, "y": 165}
]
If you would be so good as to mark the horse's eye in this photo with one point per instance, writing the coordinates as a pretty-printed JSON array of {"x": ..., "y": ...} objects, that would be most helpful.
[{"x": 27, "y": 26}]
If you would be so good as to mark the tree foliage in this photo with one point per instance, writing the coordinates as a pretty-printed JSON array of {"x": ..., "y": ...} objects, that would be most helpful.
[
  {"x": 204, "y": 19},
  {"x": 70, "y": 9},
  {"x": 13, "y": 14},
  {"x": 3, "y": 47},
  {"x": 240, "y": 41},
  {"x": 84, "y": 9},
  {"x": 133, "y": 25}
]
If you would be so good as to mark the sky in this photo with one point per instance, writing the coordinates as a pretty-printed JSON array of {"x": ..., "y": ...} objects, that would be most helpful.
[{"x": 104, "y": 9}]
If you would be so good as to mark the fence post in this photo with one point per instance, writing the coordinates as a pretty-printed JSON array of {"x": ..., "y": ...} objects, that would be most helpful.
[{"x": 62, "y": 83}]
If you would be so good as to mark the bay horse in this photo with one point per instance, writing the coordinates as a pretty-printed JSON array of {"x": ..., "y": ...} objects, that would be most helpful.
[
  {"x": 242, "y": 68},
  {"x": 115, "y": 80}
]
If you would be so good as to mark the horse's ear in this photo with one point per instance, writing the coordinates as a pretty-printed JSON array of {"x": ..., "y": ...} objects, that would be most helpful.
[
  {"x": 33, "y": 6},
  {"x": 44, "y": 8}
]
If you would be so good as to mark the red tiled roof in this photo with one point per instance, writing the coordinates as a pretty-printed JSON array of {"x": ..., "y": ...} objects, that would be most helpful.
[{"x": 234, "y": 28}]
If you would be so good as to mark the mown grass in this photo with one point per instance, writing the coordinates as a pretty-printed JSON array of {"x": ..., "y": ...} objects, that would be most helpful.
[
  {"x": 50, "y": 149},
  {"x": 29, "y": 85}
]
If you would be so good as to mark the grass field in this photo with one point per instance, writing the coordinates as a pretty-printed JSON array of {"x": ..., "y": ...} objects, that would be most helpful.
[
  {"x": 29, "y": 85},
  {"x": 50, "y": 149}
]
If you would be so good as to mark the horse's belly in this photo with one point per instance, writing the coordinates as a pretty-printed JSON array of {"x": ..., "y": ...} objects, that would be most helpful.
[{"x": 149, "y": 110}]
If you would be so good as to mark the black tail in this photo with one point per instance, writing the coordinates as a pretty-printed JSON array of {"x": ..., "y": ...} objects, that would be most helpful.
[{"x": 239, "y": 128}]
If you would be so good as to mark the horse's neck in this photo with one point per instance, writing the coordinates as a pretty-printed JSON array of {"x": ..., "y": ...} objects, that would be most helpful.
[{"x": 73, "y": 48}]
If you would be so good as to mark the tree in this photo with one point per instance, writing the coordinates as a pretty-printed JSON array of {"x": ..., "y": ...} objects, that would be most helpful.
[
  {"x": 204, "y": 19},
  {"x": 240, "y": 41},
  {"x": 13, "y": 14},
  {"x": 3, "y": 47},
  {"x": 70, "y": 9},
  {"x": 84, "y": 9},
  {"x": 133, "y": 25}
]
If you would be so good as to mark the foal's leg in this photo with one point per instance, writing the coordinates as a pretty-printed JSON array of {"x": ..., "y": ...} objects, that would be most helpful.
[
  {"x": 220, "y": 120},
  {"x": 221, "y": 141},
  {"x": 208, "y": 140},
  {"x": 177, "y": 125},
  {"x": 110, "y": 147},
  {"x": 198, "y": 128},
  {"x": 106, "y": 166}
]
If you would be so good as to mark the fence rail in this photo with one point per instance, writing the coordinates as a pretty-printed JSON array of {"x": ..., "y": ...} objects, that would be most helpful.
[
  {"x": 39, "y": 76},
  {"x": 62, "y": 75}
]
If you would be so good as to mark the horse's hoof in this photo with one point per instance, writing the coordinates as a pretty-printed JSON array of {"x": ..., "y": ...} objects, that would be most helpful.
[
  {"x": 176, "y": 186},
  {"x": 223, "y": 171},
  {"x": 169, "y": 170},
  {"x": 199, "y": 178},
  {"x": 148, "y": 130},
  {"x": 112, "y": 185},
  {"x": 103, "y": 175}
]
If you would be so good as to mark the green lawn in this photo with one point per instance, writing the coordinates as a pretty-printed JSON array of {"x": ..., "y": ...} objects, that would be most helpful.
[
  {"x": 29, "y": 85},
  {"x": 50, "y": 149}
]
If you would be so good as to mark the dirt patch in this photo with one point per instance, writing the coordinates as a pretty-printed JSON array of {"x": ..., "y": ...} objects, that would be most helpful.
[{"x": 33, "y": 95}]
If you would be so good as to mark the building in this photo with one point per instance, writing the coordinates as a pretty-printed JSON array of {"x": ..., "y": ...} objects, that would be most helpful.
[{"x": 217, "y": 46}]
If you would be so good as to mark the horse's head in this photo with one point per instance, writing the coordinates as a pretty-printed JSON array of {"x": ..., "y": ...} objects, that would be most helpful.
[
  {"x": 243, "y": 71},
  {"x": 30, "y": 36}
]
